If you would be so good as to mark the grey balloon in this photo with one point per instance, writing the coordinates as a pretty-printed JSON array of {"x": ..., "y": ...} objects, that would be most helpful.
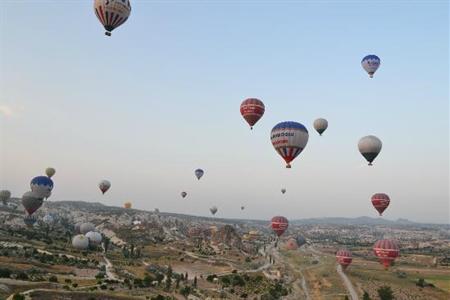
[
  {"x": 320, "y": 125},
  {"x": 80, "y": 242},
  {"x": 86, "y": 227},
  {"x": 370, "y": 146},
  {"x": 213, "y": 210},
  {"x": 94, "y": 237},
  {"x": 31, "y": 202}
]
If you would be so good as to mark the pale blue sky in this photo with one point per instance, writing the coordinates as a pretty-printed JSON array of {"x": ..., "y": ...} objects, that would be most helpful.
[{"x": 160, "y": 98}]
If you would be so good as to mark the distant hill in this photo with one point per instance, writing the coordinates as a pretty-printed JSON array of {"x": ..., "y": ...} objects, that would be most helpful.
[
  {"x": 358, "y": 221},
  {"x": 94, "y": 207}
]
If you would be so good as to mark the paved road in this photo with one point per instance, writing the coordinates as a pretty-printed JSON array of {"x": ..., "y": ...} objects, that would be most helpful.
[{"x": 348, "y": 284}]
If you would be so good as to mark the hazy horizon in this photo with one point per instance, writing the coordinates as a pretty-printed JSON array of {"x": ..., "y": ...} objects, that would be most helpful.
[{"x": 159, "y": 98}]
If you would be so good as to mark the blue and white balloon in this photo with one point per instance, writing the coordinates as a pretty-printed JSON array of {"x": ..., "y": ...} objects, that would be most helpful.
[
  {"x": 370, "y": 63},
  {"x": 42, "y": 186}
]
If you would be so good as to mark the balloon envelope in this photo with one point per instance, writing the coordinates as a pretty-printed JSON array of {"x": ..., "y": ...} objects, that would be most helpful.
[
  {"x": 183, "y": 194},
  {"x": 300, "y": 240},
  {"x": 289, "y": 139},
  {"x": 31, "y": 202},
  {"x": 291, "y": 244},
  {"x": 283, "y": 190},
  {"x": 369, "y": 147},
  {"x": 320, "y": 125},
  {"x": 386, "y": 251},
  {"x": 42, "y": 186},
  {"x": 127, "y": 205},
  {"x": 199, "y": 173},
  {"x": 48, "y": 219},
  {"x": 95, "y": 238},
  {"x": 50, "y": 172},
  {"x": 80, "y": 242},
  {"x": 279, "y": 225},
  {"x": 371, "y": 63},
  {"x": 86, "y": 227},
  {"x": 380, "y": 201},
  {"x": 344, "y": 258},
  {"x": 213, "y": 210},
  {"x": 104, "y": 186},
  {"x": 252, "y": 110},
  {"x": 112, "y": 13}
]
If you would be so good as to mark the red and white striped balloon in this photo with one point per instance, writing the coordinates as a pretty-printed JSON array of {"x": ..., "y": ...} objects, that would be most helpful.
[
  {"x": 252, "y": 110},
  {"x": 344, "y": 258},
  {"x": 380, "y": 201},
  {"x": 386, "y": 251},
  {"x": 112, "y": 13},
  {"x": 279, "y": 225}
]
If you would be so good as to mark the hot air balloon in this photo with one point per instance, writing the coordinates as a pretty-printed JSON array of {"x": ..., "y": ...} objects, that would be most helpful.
[
  {"x": 380, "y": 201},
  {"x": 42, "y": 186},
  {"x": 370, "y": 147},
  {"x": 279, "y": 225},
  {"x": 48, "y": 219},
  {"x": 300, "y": 240},
  {"x": 370, "y": 63},
  {"x": 386, "y": 251},
  {"x": 94, "y": 237},
  {"x": 291, "y": 244},
  {"x": 242, "y": 207},
  {"x": 77, "y": 227},
  {"x": 31, "y": 202},
  {"x": 50, "y": 172},
  {"x": 289, "y": 139},
  {"x": 86, "y": 227},
  {"x": 252, "y": 110},
  {"x": 104, "y": 186},
  {"x": 213, "y": 210},
  {"x": 183, "y": 194},
  {"x": 112, "y": 13},
  {"x": 80, "y": 242},
  {"x": 344, "y": 258},
  {"x": 127, "y": 205},
  {"x": 29, "y": 220},
  {"x": 4, "y": 196},
  {"x": 283, "y": 190},
  {"x": 320, "y": 125},
  {"x": 199, "y": 173}
]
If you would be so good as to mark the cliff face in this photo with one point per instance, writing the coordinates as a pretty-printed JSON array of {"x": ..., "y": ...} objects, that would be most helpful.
[{"x": 228, "y": 236}]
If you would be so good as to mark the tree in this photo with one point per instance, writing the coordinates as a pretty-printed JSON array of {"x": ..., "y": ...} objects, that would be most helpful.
[
  {"x": 385, "y": 293},
  {"x": 195, "y": 282},
  {"x": 53, "y": 278},
  {"x": 366, "y": 296},
  {"x": 169, "y": 278},
  {"x": 186, "y": 276},
  {"x": 132, "y": 250},
  {"x": 177, "y": 284},
  {"x": 421, "y": 282},
  {"x": 106, "y": 241},
  {"x": 159, "y": 278},
  {"x": 185, "y": 291},
  {"x": 18, "y": 297}
]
